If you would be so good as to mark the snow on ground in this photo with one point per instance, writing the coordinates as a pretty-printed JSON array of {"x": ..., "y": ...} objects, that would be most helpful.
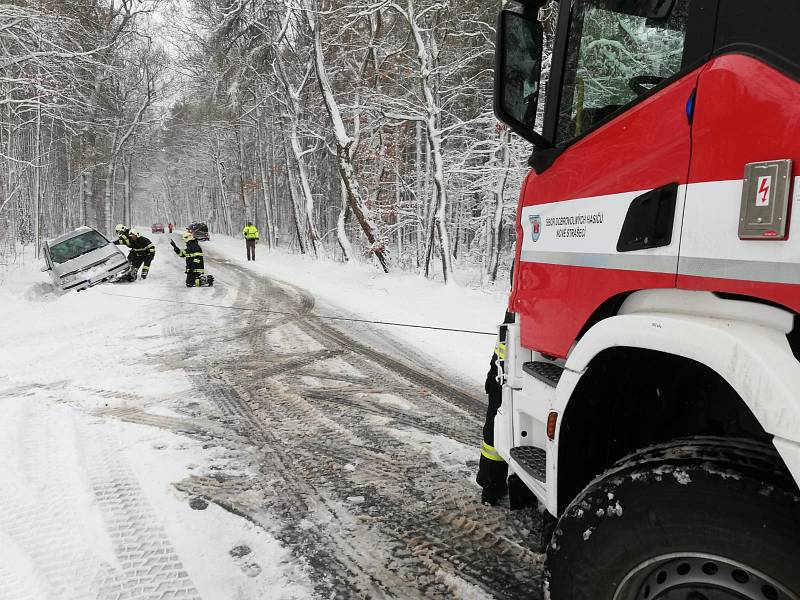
[
  {"x": 363, "y": 291},
  {"x": 79, "y": 491},
  {"x": 68, "y": 361}
]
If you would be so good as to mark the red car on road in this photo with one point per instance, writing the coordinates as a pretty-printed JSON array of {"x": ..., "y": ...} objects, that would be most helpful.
[{"x": 158, "y": 228}]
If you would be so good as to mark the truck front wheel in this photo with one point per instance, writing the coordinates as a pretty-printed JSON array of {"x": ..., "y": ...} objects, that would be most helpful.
[{"x": 698, "y": 519}]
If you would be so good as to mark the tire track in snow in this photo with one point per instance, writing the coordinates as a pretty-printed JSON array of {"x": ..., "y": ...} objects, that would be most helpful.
[
  {"x": 151, "y": 568},
  {"x": 38, "y": 510},
  {"x": 409, "y": 508},
  {"x": 343, "y": 568},
  {"x": 62, "y": 548}
]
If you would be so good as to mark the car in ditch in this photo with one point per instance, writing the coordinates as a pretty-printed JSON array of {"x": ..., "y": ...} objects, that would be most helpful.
[{"x": 82, "y": 258}]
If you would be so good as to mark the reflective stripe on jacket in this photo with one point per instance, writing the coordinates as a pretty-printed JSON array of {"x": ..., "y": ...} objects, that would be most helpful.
[
  {"x": 193, "y": 255},
  {"x": 490, "y": 453},
  {"x": 142, "y": 245}
]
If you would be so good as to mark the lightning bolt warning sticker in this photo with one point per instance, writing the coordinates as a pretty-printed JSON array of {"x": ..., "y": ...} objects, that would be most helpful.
[{"x": 764, "y": 187}]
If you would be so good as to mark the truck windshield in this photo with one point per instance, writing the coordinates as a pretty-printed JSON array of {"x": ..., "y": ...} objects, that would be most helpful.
[
  {"x": 74, "y": 247},
  {"x": 612, "y": 58}
]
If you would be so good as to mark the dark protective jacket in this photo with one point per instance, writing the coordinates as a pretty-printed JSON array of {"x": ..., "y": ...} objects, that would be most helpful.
[
  {"x": 141, "y": 245},
  {"x": 193, "y": 254}
]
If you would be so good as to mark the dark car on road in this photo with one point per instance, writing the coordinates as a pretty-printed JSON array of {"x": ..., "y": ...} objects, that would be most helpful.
[
  {"x": 157, "y": 228},
  {"x": 199, "y": 231},
  {"x": 82, "y": 258}
]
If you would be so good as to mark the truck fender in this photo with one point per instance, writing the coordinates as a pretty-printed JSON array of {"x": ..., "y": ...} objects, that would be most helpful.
[{"x": 752, "y": 355}]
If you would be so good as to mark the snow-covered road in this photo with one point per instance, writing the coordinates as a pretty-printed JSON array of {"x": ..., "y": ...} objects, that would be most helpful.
[{"x": 156, "y": 444}]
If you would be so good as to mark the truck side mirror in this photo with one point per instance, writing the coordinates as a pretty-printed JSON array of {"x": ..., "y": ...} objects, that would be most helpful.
[{"x": 518, "y": 68}]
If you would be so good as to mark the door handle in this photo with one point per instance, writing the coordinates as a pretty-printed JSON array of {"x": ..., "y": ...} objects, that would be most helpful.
[{"x": 650, "y": 220}]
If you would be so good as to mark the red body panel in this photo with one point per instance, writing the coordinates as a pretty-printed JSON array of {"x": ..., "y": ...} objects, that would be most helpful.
[
  {"x": 784, "y": 294},
  {"x": 566, "y": 298},
  {"x": 746, "y": 112},
  {"x": 642, "y": 149}
]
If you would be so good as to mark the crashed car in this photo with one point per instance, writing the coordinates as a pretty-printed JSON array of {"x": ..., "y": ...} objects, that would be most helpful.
[
  {"x": 82, "y": 258},
  {"x": 199, "y": 231},
  {"x": 157, "y": 228}
]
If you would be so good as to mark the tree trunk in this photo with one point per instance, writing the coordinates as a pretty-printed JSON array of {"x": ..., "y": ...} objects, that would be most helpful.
[
  {"x": 264, "y": 192},
  {"x": 341, "y": 233},
  {"x": 226, "y": 212},
  {"x": 273, "y": 186},
  {"x": 305, "y": 188},
  {"x": 242, "y": 197},
  {"x": 293, "y": 201},
  {"x": 108, "y": 204},
  {"x": 344, "y": 145},
  {"x": 425, "y": 62},
  {"x": 504, "y": 161},
  {"x": 88, "y": 197},
  {"x": 397, "y": 219},
  {"x": 37, "y": 198},
  {"x": 418, "y": 205},
  {"x": 127, "y": 217}
]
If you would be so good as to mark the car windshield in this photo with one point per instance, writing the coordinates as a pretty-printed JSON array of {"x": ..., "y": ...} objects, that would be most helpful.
[{"x": 74, "y": 247}]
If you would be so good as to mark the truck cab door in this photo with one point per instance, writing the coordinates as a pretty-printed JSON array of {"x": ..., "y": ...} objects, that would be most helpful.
[
  {"x": 741, "y": 224},
  {"x": 604, "y": 219}
]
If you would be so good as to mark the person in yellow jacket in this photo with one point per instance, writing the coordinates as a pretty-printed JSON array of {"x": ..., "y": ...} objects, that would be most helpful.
[{"x": 250, "y": 233}]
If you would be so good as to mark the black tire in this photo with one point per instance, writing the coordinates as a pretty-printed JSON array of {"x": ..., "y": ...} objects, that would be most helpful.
[{"x": 705, "y": 518}]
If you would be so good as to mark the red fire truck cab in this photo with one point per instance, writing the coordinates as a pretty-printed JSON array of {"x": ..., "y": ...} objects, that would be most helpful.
[{"x": 651, "y": 386}]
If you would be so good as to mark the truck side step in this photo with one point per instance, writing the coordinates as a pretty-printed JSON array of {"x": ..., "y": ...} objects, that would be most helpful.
[
  {"x": 533, "y": 460},
  {"x": 547, "y": 372}
]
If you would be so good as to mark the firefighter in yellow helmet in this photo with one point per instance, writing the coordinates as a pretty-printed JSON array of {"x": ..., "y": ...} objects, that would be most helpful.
[
  {"x": 122, "y": 235},
  {"x": 195, "y": 267},
  {"x": 142, "y": 253},
  {"x": 250, "y": 233}
]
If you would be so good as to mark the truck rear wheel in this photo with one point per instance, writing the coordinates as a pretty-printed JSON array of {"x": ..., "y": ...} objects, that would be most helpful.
[{"x": 699, "y": 519}]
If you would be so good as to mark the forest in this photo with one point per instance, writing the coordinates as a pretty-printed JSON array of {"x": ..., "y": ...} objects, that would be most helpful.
[{"x": 358, "y": 131}]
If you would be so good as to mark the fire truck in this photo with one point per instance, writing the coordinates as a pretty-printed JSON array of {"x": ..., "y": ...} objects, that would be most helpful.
[{"x": 651, "y": 380}]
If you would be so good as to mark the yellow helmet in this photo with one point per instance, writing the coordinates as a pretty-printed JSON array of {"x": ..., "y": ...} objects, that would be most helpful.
[
  {"x": 119, "y": 228},
  {"x": 187, "y": 235}
]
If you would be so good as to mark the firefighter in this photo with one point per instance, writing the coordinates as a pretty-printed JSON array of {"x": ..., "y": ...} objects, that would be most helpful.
[
  {"x": 123, "y": 239},
  {"x": 492, "y": 469},
  {"x": 250, "y": 233},
  {"x": 193, "y": 254},
  {"x": 123, "y": 234},
  {"x": 142, "y": 253}
]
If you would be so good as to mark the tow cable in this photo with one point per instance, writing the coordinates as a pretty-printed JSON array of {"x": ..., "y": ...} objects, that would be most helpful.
[{"x": 328, "y": 317}]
